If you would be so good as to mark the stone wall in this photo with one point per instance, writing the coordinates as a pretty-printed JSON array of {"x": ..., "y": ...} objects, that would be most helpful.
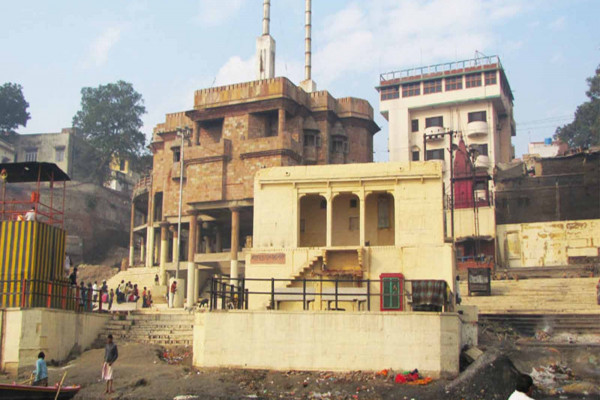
[
  {"x": 334, "y": 341},
  {"x": 55, "y": 332}
]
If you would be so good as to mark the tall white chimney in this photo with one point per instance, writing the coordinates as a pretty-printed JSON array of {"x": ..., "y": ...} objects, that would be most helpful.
[
  {"x": 308, "y": 84},
  {"x": 265, "y": 47}
]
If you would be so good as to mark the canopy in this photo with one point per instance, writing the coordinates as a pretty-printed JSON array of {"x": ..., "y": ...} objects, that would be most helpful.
[{"x": 33, "y": 171}]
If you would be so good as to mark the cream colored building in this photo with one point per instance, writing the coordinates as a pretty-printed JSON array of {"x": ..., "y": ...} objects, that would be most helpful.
[
  {"x": 472, "y": 97},
  {"x": 346, "y": 222}
]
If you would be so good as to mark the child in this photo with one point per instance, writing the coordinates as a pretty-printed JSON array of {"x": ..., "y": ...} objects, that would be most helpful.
[{"x": 41, "y": 371}]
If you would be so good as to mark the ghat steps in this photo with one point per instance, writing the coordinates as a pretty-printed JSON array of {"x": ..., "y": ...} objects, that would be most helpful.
[
  {"x": 537, "y": 296},
  {"x": 167, "y": 328}
]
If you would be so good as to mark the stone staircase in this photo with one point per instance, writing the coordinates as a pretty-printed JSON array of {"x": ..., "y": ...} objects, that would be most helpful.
[
  {"x": 308, "y": 267},
  {"x": 537, "y": 296},
  {"x": 167, "y": 328}
]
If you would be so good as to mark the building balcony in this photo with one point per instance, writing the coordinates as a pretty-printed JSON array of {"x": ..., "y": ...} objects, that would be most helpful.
[
  {"x": 477, "y": 129},
  {"x": 482, "y": 161}
]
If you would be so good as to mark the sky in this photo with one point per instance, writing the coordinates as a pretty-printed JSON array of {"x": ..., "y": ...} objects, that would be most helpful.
[{"x": 169, "y": 49}]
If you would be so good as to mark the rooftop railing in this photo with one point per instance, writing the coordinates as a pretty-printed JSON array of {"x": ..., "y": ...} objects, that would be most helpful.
[{"x": 440, "y": 68}]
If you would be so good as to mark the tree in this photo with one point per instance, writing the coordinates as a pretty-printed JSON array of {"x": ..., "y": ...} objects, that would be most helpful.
[
  {"x": 584, "y": 131},
  {"x": 109, "y": 122},
  {"x": 13, "y": 108}
]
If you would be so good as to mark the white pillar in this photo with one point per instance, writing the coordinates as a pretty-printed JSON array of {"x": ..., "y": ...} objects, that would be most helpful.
[
  {"x": 164, "y": 249},
  {"x": 361, "y": 217},
  {"x": 329, "y": 198}
]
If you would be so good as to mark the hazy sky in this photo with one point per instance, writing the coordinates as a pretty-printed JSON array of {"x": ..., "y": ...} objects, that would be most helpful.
[{"x": 168, "y": 49}]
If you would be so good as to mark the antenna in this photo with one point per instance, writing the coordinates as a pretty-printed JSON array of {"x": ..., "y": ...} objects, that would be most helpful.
[{"x": 308, "y": 84}]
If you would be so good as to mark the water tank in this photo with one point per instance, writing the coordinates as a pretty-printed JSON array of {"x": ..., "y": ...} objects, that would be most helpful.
[{"x": 548, "y": 141}]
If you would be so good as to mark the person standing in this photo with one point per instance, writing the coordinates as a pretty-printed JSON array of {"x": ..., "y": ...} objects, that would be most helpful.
[
  {"x": 111, "y": 297},
  {"x": 156, "y": 280},
  {"x": 95, "y": 291},
  {"x": 41, "y": 371},
  {"x": 523, "y": 388},
  {"x": 31, "y": 215},
  {"x": 111, "y": 353},
  {"x": 172, "y": 293}
]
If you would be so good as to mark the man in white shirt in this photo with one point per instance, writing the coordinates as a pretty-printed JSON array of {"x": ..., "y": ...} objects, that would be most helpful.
[
  {"x": 524, "y": 388},
  {"x": 30, "y": 216}
]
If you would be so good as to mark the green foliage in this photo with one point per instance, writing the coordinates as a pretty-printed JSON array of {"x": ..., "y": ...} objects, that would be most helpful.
[
  {"x": 13, "y": 108},
  {"x": 109, "y": 122},
  {"x": 584, "y": 131}
]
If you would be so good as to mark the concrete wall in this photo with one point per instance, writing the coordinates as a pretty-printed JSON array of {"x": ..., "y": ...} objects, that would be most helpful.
[
  {"x": 46, "y": 145},
  {"x": 329, "y": 341},
  {"x": 55, "y": 332},
  {"x": 548, "y": 243},
  {"x": 464, "y": 224}
]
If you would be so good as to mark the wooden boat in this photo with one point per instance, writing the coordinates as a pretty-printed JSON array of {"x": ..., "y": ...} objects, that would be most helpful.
[{"x": 23, "y": 392}]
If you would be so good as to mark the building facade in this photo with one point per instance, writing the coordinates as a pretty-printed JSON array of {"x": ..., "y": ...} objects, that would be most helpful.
[
  {"x": 328, "y": 223},
  {"x": 235, "y": 131},
  {"x": 471, "y": 97}
]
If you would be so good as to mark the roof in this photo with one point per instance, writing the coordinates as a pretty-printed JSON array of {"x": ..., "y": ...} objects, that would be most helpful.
[{"x": 30, "y": 171}]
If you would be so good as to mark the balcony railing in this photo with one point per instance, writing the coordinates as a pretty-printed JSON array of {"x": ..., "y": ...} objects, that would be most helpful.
[{"x": 440, "y": 68}]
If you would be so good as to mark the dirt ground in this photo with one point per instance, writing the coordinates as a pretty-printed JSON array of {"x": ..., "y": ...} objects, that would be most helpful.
[
  {"x": 95, "y": 273},
  {"x": 142, "y": 372}
]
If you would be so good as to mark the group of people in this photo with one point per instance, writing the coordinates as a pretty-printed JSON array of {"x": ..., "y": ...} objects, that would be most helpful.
[
  {"x": 128, "y": 292},
  {"x": 92, "y": 294}
]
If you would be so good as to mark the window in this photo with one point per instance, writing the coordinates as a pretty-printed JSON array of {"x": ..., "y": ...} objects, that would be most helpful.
[
  {"x": 392, "y": 286},
  {"x": 473, "y": 80},
  {"x": 353, "y": 203},
  {"x": 383, "y": 212},
  {"x": 60, "y": 154},
  {"x": 411, "y": 89},
  {"x": 176, "y": 155},
  {"x": 312, "y": 139},
  {"x": 30, "y": 155},
  {"x": 454, "y": 83},
  {"x": 339, "y": 145},
  {"x": 437, "y": 154},
  {"x": 477, "y": 116},
  {"x": 414, "y": 125},
  {"x": 434, "y": 86},
  {"x": 391, "y": 92},
  {"x": 353, "y": 224},
  {"x": 434, "y": 121},
  {"x": 415, "y": 155},
  {"x": 490, "y": 78},
  {"x": 122, "y": 165},
  {"x": 480, "y": 149}
]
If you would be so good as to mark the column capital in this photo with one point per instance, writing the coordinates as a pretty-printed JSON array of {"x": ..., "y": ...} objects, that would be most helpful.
[
  {"x": 193, "y": 212},
  {"x": 164, "y": 224},
  {"x": 235, "y": 209}
]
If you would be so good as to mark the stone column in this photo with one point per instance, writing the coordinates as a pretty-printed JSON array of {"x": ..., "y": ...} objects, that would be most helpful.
[
  {"x": 164, "y": 249},
  {"x": 191, "y": 266},
  {"x": 329, "y": 198},
  {"x": 131, "y": 235},
  {"x": 362, "y": 217},
  {"x": 142, "y": 251},
  {"x": 281, "y": 122},
  {"x": 150, "y": 232},
  {"x": 235, "y": 243}
]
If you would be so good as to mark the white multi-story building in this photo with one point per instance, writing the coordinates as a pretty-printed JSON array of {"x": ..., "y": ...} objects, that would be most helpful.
[{"x": 470, "y": 97}]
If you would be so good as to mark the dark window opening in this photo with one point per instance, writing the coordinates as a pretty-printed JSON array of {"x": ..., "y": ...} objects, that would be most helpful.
[
  {"x": 480, "y": 149},
  {"x": 415, "y": 155},
  {"x": 490, "y": 78},
  {"x": 312, "y": 139},
  {"x": 176, "y": 155},
  {"x": 437, "y": 154},
  {"x": 389, "y": 93},
  {"x": 353, "y": 203},
  {"x": 434, "y": 86},
  {"x": 434, "y": 121},
  {"x": 411, "y": 89},
  {"x": 454, "y": 83},
  {"x": 210, "y": 131},
  {"x": 339, "y": 145},
  {"x": 414, "y": 124},
  {"x": 263, "y": 124},
  {"x": 477, "y": 116},
  {"x": 473, "y": 80}
]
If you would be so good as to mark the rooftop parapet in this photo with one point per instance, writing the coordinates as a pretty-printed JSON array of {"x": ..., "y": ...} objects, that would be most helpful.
[
  {"x": 249, "y": 92},
  {"x": 456, "y": 67},
  {"x": 172, "y": 122}
]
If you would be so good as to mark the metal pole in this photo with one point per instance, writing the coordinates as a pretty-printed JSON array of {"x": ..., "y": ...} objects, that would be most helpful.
[
  {"x": 178, "y": 244},
  {"x": 272, "y": 293},
  {"x": 451, "y": 185}
]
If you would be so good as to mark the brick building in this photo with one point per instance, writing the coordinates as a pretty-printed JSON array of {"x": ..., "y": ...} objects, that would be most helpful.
[{"x": 235, "y": 131}]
